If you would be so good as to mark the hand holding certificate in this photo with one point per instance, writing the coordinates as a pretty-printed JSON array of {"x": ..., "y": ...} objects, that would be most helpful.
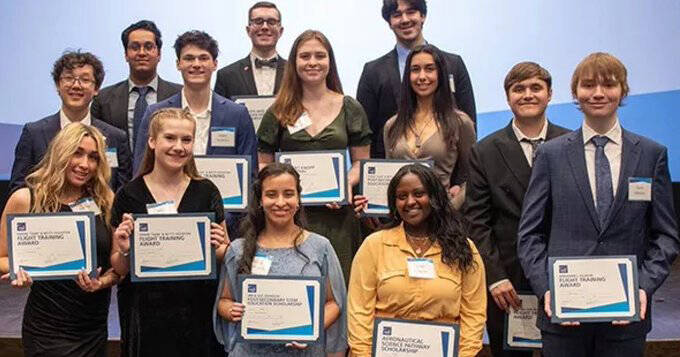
[
  {"x": 520, "y": 331},
  {"x": 397, "y": 338}
]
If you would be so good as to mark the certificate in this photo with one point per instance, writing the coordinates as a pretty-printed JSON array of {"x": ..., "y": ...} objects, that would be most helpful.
[
  {"x": 322, "y": 175},
  {"x": 374, "y": 178},
  {"x": 231, "y": 174},
  {"x": 51, "y": 245},
  {"x": 257, "y": 105},
  {"x": 281, "y": 309},
  {"x": 405, "y": 338},
  {"x": 594, "y": 289},
  {"x": 520, "y": 331},
  {"x": 172, "y": 247}
]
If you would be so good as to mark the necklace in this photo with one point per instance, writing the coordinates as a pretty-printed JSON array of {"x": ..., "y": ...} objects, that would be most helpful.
[
  {"x": 419, "y": 134},
  {"x": 420, "y": 244}
]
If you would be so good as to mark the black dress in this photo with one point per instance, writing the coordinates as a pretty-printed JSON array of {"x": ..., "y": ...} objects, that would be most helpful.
[
  {"x": 60, "y": 319},
  {"x": 168, "y": 318}
]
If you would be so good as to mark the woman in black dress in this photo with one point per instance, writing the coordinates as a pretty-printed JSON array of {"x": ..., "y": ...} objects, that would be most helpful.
[
  {"x": 67, "y": 317},
  {"x": 167, "y": 318}
]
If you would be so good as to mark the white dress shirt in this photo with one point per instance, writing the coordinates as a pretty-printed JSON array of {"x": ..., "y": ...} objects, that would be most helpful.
[
  {"x": 265, "y": 77},
  {"x": 526, "y": 146},
  {"x": 612, "y": 151},
  {"x": 202, "y": 125},
  {"x": 64, "y": 120}
]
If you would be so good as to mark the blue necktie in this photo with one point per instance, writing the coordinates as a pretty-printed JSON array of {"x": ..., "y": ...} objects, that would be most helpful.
[
  {"x": 603, "y": 179},
  {"x": 140, "y": 108},
  {"x": 534, "y": 146}
]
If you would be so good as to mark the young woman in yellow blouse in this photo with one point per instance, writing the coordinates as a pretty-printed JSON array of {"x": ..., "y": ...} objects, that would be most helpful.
[{"x": 424, "y": 225}]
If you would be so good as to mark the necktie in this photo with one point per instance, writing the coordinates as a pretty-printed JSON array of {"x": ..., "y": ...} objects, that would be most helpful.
[
  {"x": 603, "y": 178},
  {"x": 534, "y": 146},
  {"x": 271, "y": 63},
  {"x": 140, "y": 108}
]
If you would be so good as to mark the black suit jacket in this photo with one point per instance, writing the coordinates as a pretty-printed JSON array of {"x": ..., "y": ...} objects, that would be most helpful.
[
  {"x": 498, "y": 178},
  {"x": 36, "y": 136},
  {"x": 111, "y": 104},
  {"x": 380, "y": 85},
  {"x": 237, "y": 78}
]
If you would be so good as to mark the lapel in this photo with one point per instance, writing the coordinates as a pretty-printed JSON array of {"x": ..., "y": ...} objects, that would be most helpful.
[
  {"x": 119, "y": 109},
  {"x": 280, "y": 67},
  {"x": 511, "y": 152},
  {"x": 216, "y": 113},
  {"x": 164, "y": 90},
  {"x": 577, "y": 161},
  {"x": 50, "y": 130},
  {"x": 393, "y": 74},
  {"x": 630, "y": 156},
  {"x": 246, "y": 74}
]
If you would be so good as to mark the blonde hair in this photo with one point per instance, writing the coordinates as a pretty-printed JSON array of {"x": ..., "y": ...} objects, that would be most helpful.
[
  {"x": 601, "y": 66},
  {"x": 48, "y": 181},
  {"x": 155, "y": 127}
]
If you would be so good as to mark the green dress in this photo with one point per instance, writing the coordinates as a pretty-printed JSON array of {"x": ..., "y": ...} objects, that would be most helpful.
[{"x": 349, "y": 128}]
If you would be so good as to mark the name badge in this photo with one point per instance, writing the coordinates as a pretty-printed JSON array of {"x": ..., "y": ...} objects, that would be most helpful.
[
  {"x": 420, "y": 268},
  {"x": 86, "y": 204},
  {"x": 452, "y": 83},
  {"x": 166, "y": 207},
  {"x": 112, "y": 157},
  {"x": 223, "y": 137},
  {"x": 640, "y": 189},
  {"x": 261, "y": 264},
  {"x": 303, "y": 122}
]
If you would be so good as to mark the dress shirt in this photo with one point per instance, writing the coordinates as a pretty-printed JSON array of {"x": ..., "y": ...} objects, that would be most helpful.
[
  {"x": 379, "y": 286},
  {"x": 526, "y": 146},
  {"x": 202, "y": 125},
  {"x": 133, "y": 95},
  {"x": 612, "y": 151},
  {"x": 402, "y": 54},
  {"x": 265, "y": 77},
  {"x": 64, "y": 120}
]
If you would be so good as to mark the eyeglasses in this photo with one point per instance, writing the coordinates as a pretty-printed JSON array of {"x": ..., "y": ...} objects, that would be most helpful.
[
  {"x": 71, "y": 81},
  {"x": 147, "y": 46},
  {"x": 259, "y": 22}
]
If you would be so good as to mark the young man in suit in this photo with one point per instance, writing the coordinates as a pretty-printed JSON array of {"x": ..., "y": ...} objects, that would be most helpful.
[
  {"x": 500, "y": 167},
  {"x": 579, "y": 203},
  {"x": 122, "y": 104},
  {"x": 380, "y": 82},
  {"x": 261, "y": 71}
]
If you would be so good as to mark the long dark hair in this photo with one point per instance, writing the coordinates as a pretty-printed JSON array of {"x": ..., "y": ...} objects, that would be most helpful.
[
  {"x": 445, "y": 225},
  {"x": 255, "y": 221},
  {"x": 442, "y": 102}
]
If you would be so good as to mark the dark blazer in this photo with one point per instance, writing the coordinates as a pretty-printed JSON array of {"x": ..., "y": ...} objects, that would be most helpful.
[
  {"x": 36, "y": 136},
  {"x": 224, "y": 113},
  {"x": 380, "y": 84},
  {"x": 111, "y": 104},
  {"x": 237, "y": 78},
  {"x": 559, "y": 219}
]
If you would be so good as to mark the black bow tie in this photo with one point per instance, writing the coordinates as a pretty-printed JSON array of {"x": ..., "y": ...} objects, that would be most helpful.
[{"x": 271, "y": 63}]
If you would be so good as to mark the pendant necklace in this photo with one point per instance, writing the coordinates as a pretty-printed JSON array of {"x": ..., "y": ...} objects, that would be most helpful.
[{"x": 418, "y": 135}]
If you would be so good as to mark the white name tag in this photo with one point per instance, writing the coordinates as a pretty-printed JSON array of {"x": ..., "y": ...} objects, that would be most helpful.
[
  {"x": 112, "y": 157},
  {"x": 640, "y": 189},
  {"x": 86, "y": 204},
  {"x": 420, "y": 268},
  {"x": 223, "y": 137},
  {"x": 167, "y": 207},
  {"x": 452, "y": 83},
  {"x": 261, "y": 264},
  {"x": 303, "y": 122}
]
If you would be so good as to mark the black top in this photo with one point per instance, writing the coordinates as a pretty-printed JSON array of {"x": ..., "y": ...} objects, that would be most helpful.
[{"x": 170, "y": 318}]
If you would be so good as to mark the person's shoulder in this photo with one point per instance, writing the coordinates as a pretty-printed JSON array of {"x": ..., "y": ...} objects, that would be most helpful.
[
  {"x": 644, "y": 141},
  {"x": 107, "y": 129},
  {"x": 317, "y": 241},
  {"x": 107, "y": 91},
  {"x": 235, "y": 66},
  {"x": 37, "y": 124},
  {"x": 491, "y": 138},
  {"x": 380, "y": 61},
  {"x": 19, "y": 201},
  {"x": 174, "y": 86},
  {"x": 228, "y": 105}
]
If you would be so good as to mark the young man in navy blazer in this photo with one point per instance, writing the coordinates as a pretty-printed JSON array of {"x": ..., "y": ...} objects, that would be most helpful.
[{"x": 579, "y": 203}]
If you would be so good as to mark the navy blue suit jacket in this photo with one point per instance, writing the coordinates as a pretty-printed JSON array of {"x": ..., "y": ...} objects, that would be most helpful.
[
  {"x": 224, "y": 113},
  {"x": 36, "y": 136},
  {"x": 559, "y": 218}
]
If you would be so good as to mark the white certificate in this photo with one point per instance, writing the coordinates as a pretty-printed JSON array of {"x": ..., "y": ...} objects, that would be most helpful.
[
  {"x": 594, "y": 288},
  {"x": 322, "y": 175},
  {"x": 231, "y": 175},
  {"x": 256, "y": 105},
  {"x": 281, "y": 309},
  {"x": 404, "y": 338},
  {"x": 375, "y": 176},
  {"x": 520, "y": 326},
  {"x": 52, "y": 245},
  {"x": 172, "y": 247}
]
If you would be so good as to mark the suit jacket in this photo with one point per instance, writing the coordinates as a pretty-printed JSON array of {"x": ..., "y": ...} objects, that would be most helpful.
[
  {"x": 559, "y": 219},
  {"x": 498, "y": 178},
  {"x": 36, "y": 136},
  {"x": 224, "y": 113},
  {"x": 111, "y": 104},
  {"x": 237, "y": 78},
  {"x": 380, "y": 84}
]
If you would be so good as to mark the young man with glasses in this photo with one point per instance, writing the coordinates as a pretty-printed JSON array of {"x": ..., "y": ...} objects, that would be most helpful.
[
  {"x": 78, "y": 76},
  {"x": 260, "y": 72},
  {"x": 123, "y": 104}
]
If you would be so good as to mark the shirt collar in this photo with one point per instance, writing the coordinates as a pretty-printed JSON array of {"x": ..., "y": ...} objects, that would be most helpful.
[
  {"x": 397, "y": 238},
  {"x": 402, "y": 52},
  {"x": 614, "y": 134},
  {"x": 64, "y": 120},
  {"x": 153, "y": 84},
  {"x": 185, "y": 104},
  {"x": 520, "y": 135},
  {"x": 253, "y": 56}
]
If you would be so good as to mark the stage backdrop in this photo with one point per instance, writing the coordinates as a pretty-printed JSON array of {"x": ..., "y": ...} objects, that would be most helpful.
[{"x": 490, "y": 35}]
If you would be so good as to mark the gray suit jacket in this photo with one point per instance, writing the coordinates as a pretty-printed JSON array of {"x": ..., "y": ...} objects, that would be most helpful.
[{"x": 237, "y": 78}]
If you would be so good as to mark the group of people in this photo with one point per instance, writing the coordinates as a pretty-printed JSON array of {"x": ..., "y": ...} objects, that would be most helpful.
[{"x": 487, "y": 215}]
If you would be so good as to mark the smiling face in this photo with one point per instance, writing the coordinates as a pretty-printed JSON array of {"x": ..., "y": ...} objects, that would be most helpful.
[
  {"x": 529, "y": 98},
  {"x": 142, "y": 54},
  {"x": 83, "y": 163},
  {"x": 598, "y": 97},
  {"x": 280, "y": 199},
  {"x": 76, "y": 88},
  {"x": 264, "y": 28},
  {"x": 413, "y": 201},
  {"x": 174, "y": 144},
  {"x": 407, "y": 24},
  {"x": 423, "y": 74},
  {"x": 197, "y": 66},
  {"x": 312, "y": 62}
]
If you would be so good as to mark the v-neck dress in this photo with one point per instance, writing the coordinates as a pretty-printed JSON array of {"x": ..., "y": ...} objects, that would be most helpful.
[
  {"x": 349, "y": 128},
  {"x": 170, "y": 318}
]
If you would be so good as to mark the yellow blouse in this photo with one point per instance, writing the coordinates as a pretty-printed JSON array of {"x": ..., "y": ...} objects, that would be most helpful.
[{"x": 380, "y": 286}]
